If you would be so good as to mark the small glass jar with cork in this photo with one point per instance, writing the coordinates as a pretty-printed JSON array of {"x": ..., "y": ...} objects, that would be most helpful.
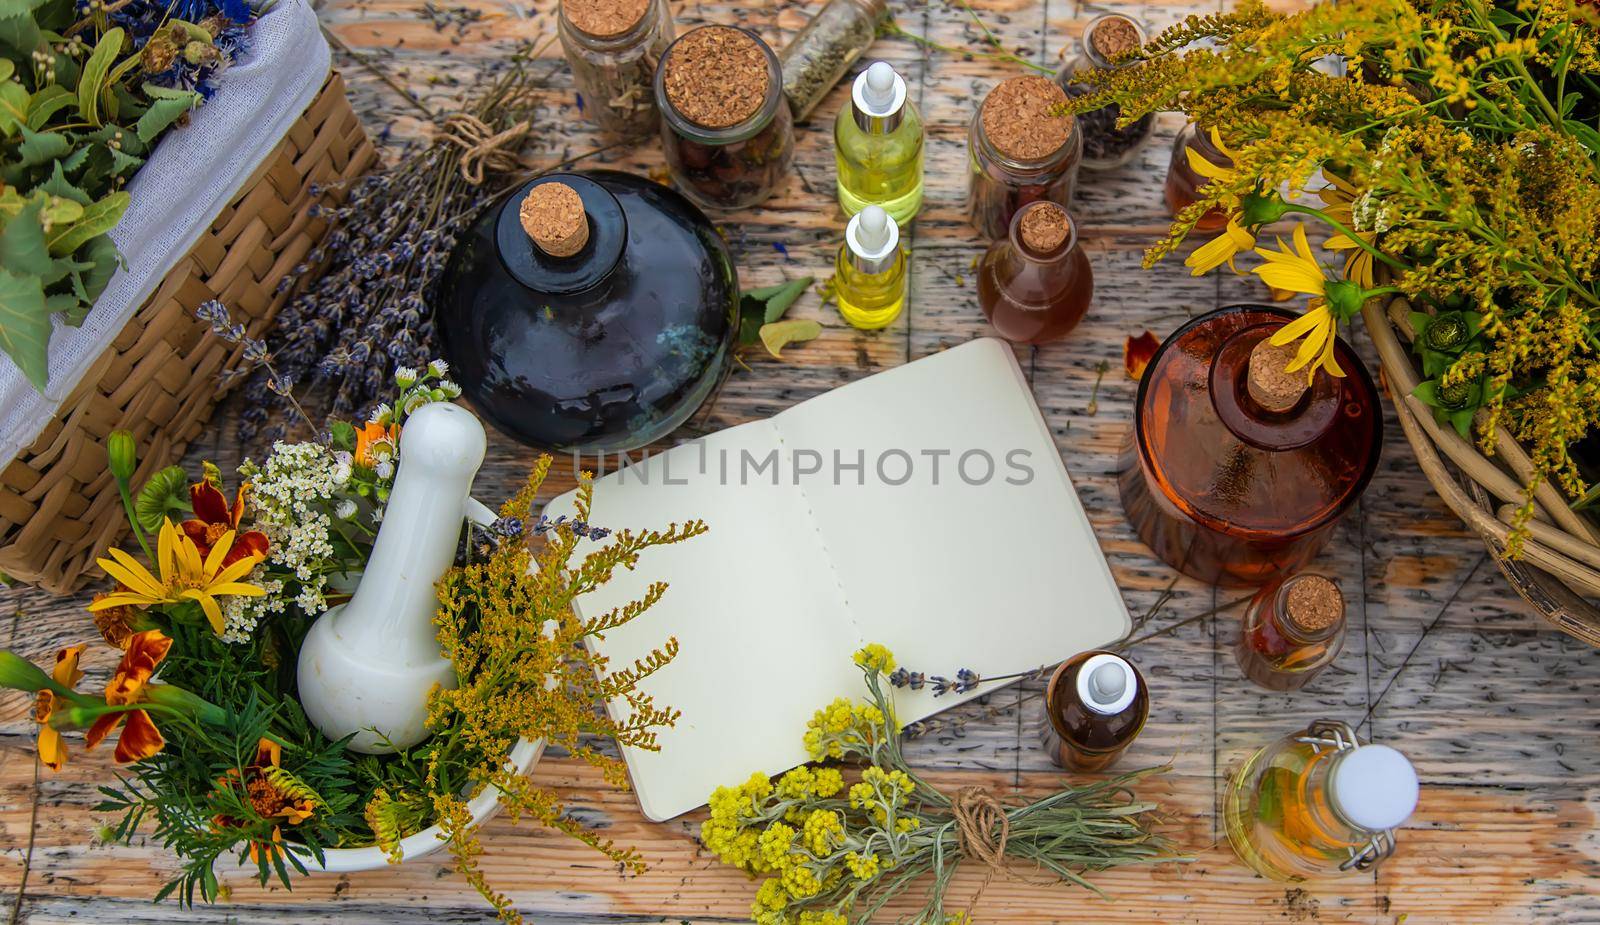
[
  {"x": 1023, "y": 147},
  {"x": 725, "y": 125},
  {"x": 1291, "y": 631},
  {"x": 1095, "y": 705},
  {"x": 870, "y": 273},
  {"x": 613, "y": 47},
  {"x": 825, "y": 49},
  {"x": 1195, "y": 152},
  {"x": 1035, "y": 284},
  {"x": 1109, "y": 42}
]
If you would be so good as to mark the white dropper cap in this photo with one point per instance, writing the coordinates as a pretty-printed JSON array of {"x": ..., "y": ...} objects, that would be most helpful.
[
  {"x": 1107, "y": 684},
  {"x": 879, "y": 91},
  {"x": 1374, "y": 787},
  {"x": 872, "y": 234}
]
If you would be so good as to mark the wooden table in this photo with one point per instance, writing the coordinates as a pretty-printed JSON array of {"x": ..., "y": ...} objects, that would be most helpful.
[{"x": 1442, "y": 660}]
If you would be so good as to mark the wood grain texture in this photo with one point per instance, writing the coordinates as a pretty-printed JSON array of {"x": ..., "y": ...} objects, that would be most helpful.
[{"x": 1498, "y": 714}]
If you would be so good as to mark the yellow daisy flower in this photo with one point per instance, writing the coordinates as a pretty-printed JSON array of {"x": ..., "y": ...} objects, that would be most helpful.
[
  {"x": 1319, "y": 331},
  {"x": 1221, "y": 250},
  {"x": 184, "y": 576},
  {"x": 1203, "y": 165},
  {"x": 1337, "y": 201},
  {"x": 1295, "y": 270}
]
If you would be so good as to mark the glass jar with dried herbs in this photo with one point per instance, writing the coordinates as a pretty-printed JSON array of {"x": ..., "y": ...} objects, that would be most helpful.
[
  {"x": 726, "y": 127},
  {"x": 1023, "y": 147},
  {"x": 613, "y": 47},
  {"x": 823, "y": 51},
  {"x": 1109, "y": 42}
]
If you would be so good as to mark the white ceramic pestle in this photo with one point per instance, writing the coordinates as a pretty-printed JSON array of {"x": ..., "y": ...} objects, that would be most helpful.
[{"x": 366, "y": 666}]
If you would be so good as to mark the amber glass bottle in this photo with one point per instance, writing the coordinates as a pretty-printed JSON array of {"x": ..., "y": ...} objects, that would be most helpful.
[
  {"x": 1035, "y": 284},
  {"x": 1224, "y": 488},
  {"x": 1183, "y": 183},
  {"x": 1291, "y": 631},
  {"x": 1096, "y": 705}
]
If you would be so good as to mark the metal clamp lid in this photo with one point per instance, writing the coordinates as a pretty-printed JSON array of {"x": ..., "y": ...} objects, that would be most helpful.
[{"x": 1338, "y": 736}]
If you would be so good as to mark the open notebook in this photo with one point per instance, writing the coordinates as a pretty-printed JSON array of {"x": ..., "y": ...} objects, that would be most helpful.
[{"x": 951, "y": 561}]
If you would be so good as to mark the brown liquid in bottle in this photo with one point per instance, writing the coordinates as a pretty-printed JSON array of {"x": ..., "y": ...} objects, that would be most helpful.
[
  {"x": 1183, "y": 184},
  {"x": 1035, "y": 284},
  {"x": 1085, "y": 736},
  {"x": 1224, "y": 490}
]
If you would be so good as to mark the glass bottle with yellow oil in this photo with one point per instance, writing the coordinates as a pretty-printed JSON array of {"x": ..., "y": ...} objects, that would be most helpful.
[
  {"x": 1318, "y": 804},
  {"x": 878, "y": 142},
  {"x": 870, "y": 275}
]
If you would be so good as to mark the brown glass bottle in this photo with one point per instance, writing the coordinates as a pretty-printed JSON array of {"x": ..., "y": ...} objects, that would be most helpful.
[
  {"x": 1035, "y": 284},
  {"x": 1220, "y": 487},
  {"x": 1096, "y": 704},
  {"x": 1291, "y": 631},
  {"x": 1183, "y": 183}
]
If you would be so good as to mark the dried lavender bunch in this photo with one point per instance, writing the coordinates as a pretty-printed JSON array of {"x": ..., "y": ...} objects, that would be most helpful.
[{"x": 362, "y": 311}]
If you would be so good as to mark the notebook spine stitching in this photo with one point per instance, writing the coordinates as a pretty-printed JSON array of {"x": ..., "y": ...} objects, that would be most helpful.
[{"x": 822, "y": 541}]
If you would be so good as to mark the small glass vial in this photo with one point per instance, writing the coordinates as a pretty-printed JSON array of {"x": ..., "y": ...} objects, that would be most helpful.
[
  {"x": 1023, "y": 148},
  {"x": 1034, "y": 284},
  {"x": 824, "y": 50},
  {"x": 878, "y": 141},
  {"x": 725, "y": 125},
  {"x": 870, "y": 274},
  {"x": 1292, "y": 630},
  {"x": 1107, "y": 40},
  {"x": 1184, "y": 183},
  {"x": 613, "y": 49},
  {"x": 1096, "y": 704},
  {"x": 1318, "y": 804}
]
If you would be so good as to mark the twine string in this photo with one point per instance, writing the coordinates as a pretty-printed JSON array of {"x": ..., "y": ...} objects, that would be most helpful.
[{"x": 482, "y": 148}]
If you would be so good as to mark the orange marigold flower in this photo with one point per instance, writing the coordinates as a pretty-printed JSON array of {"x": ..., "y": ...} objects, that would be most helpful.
[
  {"x": 375, "y": 443},
  {"x": 214, "y": 519},
  {"x": 115, "y": 622},
  {"x": 51, "y": 750},
  {"x": 140, "y": 738},
  {"x": 269, "y": 794}
]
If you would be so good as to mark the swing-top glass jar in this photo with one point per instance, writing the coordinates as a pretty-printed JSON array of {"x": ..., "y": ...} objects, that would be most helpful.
[
  {"x": 613, "y": 47},
  {"x": 1108, "y": 40},
  {"x": 725, "y": 125},
  {"x": 1023, "y": 147}
]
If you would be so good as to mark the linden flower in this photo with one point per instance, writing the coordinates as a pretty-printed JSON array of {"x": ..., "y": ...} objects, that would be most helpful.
[
  {"x": 184, "y": 576},
  {"x": 1222, "y": 249}
]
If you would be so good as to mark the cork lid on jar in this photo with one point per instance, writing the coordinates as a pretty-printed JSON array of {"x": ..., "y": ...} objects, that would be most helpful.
[
  {"x": 1314, "y": 605},
  {"x": 604, "y": 19},
  {"x": 717, "y": 76},
  {"x": 553, "y": 216},
  {"x": 1269, "y": 381},
  {"x": 1023, "y": 118},
  {"x": 1114, "y": 36}
]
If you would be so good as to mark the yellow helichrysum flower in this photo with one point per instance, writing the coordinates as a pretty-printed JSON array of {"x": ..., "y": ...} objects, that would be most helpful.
[
  {"x": 1295, "y": 270},
  {"x": 184, "y": 576},
  {"x": 874, "y": 656},
  {"x": 1221, "y": 250},
  {"x": 1320, "y": 333}
]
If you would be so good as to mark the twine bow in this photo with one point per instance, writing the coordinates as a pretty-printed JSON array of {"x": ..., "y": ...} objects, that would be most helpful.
[
  {"x": 982, "y": 829},
  {"x": 481, "y": 147}
]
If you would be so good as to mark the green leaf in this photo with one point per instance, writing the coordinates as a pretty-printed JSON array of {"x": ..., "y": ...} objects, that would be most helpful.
[
  {"x": 19, "y": 33},
  {"x": 25, "y": 326},
  {"x": 161, "y": 114},
  {"x": 780, "y": 334},
  {"x": 103, "y": 259},
  {"x": 766, "y": 305},
  {"x": 7, "y": 68},
  {"x": 13, "y": 106},
  {"x": 96, "y": 72},
  {"x": 46, "y": 103},
  {"x": 22, "y": 243},
  {"x": 42, "y": 147},
  {"x": 123, "y": 163},
  {"x": 98, "y": 218},
  {"x": 343, "y": 435},
  {"x": 166, "y": 492},
  {"x": 780, "y": 301},
  {"x": 59, "y": 185}
]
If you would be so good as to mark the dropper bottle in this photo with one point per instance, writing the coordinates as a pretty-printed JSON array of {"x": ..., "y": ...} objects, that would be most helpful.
[
  {"x": 1096, "y": 704},
  {"x": 870, "y": 275},
  {"x": 878, "y": 142}
]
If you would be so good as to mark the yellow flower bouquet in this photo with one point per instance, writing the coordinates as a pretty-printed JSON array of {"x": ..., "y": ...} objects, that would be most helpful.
[{"x": 1448, "y": 149}]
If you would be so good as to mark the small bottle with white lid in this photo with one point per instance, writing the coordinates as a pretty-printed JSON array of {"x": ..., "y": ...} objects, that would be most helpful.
[
  {"x": 1319, "y": 803},
  {"x": 878, "y": 142},
  {"x": 870, "y": 274},
  {"x": 1096, "y": 704}
]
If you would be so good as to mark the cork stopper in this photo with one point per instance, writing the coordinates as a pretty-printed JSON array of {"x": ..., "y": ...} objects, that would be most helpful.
[
  {"x": 604, "y": 19},
  {"x": 553, "y": 216},
  {"x": 1270, "y": 385},
  {"x": 1113, "y": 37},
  {"x": 1314, "y": 604},
  {"x": 717, "y": 77},
  {"x": 1044, "y": 227},
  {"x": 1023, "y": 118}
]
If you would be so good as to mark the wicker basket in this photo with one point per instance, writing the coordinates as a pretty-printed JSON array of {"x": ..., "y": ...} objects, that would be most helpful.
[
  {"x": 1560, "y": 562},
  {"x": 158, "y": 379}
]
